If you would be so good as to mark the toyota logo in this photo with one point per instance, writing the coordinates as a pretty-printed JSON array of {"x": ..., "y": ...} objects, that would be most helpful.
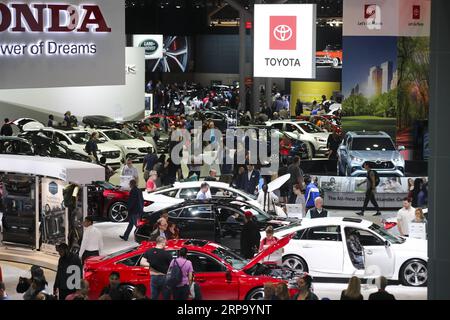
[{"x": 282, "y": 33}]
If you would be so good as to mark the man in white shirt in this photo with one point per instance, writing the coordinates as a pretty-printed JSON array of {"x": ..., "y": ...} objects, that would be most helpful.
[
  {"x": 204, "y": 193},
  {"x": 405, "y": 216},
  {"x": 130, "y": 171},
  {"x": 92, "y": 243},
  {"x": 267, "y": 199}
]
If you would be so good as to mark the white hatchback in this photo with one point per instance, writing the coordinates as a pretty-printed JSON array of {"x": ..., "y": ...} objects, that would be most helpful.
[{"x": 319, "y": 247}]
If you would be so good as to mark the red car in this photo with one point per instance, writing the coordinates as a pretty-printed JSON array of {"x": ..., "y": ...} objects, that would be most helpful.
[
  {"x": 107, "y": 201},
  {"x": 331, "y": 55},
  {"x": 155, "y": 120},
  {"x": 220, "y": 273}
]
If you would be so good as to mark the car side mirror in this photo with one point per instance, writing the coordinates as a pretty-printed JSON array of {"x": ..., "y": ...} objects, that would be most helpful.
[
  {"x": 387, "y": 244},
  {"x": 401, "y": 148},
  {"x": 228, "y": 275}
]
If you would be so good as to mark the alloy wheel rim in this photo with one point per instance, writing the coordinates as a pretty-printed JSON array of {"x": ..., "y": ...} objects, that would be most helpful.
[
  {"x": 119, "y": 212},
  {"x": 257, "y": 295},
  {"x": 416, "y": 274},
  {"x": 293, "y": 263}
]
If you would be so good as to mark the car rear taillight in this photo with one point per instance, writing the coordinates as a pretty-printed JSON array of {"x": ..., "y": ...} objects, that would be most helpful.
[
  {"x": 141, "y": 222},
  {"x": 147, "y": 203},
  {"x": 389, "y": 225}
]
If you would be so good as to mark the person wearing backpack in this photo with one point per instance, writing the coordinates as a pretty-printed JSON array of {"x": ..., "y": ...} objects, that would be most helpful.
[
  {"x": 373, "y": 180},
  {"x": 180, "y": 276}
]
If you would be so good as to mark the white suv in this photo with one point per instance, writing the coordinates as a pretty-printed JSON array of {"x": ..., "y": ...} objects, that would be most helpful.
[
  {"x": 304, "y": 131},
  {"x": 76, "y": 139},
  {"x": 131, "y": 147}
]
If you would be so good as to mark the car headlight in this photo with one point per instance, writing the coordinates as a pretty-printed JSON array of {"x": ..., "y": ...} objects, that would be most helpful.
[
  {"x": 320, "y": 139},
  {"x": 130, "y": 148},
  {"x": 356, "y": 159}
]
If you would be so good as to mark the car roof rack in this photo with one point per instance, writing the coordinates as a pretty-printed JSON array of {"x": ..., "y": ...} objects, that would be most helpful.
[{"x": 356, "y": 220}]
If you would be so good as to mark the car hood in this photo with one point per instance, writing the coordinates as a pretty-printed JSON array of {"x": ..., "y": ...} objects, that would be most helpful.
[
  {"x": 160, "y": 198},
  {"x": 411, "y": 244},
  {"x": 134, "y": 143},
  {"x": 376, "y": 155},
  {"x": 265, "y": 253}
]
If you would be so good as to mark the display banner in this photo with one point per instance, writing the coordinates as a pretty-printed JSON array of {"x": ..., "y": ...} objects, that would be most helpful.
[
  {"x": 355, "y": 200},
  {"x": 350, "y": 191},
  {"x": 53, "y": 215},
  {"x": 415, "y": 18},
  {"x": 404, "y": 18},
  {"x": 58, "y": 44},
  {"x": 371, "y": 18},
  {"x": 285, "y": 41},
  {"x": 152, "y": 43}
]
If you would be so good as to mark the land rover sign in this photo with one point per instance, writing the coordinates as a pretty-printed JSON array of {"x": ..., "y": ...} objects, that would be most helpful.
[{"x": 153, "y": 45}]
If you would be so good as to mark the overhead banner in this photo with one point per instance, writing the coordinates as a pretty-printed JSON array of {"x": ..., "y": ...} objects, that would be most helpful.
[
  {"x": 54, "y": 44},
  {"x": 285, "y": 41},
  {"x": 53, "y": 221},
  {"x": 404, "y": 18},
  {"x": 152, "y": 43}
]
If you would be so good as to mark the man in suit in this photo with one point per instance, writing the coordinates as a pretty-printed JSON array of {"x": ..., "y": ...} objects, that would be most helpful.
[
  {"x": 251, "y": 179},
  {"x": 382, "y": 294},
  {"x": 135, "y": 208}
]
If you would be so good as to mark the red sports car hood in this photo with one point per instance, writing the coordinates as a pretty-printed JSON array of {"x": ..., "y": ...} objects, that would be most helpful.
[{"x": 265, "y": 253}]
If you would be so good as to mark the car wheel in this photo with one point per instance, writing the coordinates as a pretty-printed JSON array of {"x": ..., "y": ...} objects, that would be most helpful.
[
  {"x": 414, "y": 273},
  {"x": 118, "y": 212},
  {"x": 295, "y": 263},
  {"x": 336, "y": 62},
  {"x": 256, "y": 294},
  {"x": 128, "y": 290}
]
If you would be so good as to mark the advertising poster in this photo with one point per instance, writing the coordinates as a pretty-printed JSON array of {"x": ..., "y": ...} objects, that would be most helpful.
[
  {"x": 350, "y": 191},
  {"x": 386, "y": 78},
  {"x": 308, "y": 91},
  {"x": 148, "y": 104},
  {"x": 172, "y": 54},
  {"x": 53, "y": 216}
]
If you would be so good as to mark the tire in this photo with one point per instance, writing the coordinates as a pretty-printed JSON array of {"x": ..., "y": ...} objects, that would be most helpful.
[
  {"x": 336, "y": 62},
  {"x": 296, "y": 263},
  {"x": 118, "y": 212},
  {"x": 414, "y": 273},
  {"x": 255, "y": 294}
]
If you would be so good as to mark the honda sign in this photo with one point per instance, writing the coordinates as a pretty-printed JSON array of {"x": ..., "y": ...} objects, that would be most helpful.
[
  {"x": 61, "y": 43},
  {"x": 285, "y": 41}
]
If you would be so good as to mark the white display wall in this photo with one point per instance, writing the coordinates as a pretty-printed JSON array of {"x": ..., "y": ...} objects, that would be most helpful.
[{"x": 119, "y": 102}]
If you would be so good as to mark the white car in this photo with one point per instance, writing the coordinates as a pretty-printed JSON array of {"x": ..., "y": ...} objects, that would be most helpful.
[
  {"x": 189, "y": 190},
  {"x": 76, "y": 140},
  {"x": 130, "y": 146},
  {"x": 304, "y": 131},
  {"x": 319, "y": 247}
]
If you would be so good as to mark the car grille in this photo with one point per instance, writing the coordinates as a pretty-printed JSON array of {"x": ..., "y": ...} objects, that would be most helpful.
[
  {"x": 111, "y": 154},
  {"x": 381, "y": 165},
  {"x": 145, "y": 150}
]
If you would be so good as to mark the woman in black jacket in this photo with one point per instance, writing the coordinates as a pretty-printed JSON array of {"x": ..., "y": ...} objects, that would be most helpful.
[{"x": 250, "y": 237}]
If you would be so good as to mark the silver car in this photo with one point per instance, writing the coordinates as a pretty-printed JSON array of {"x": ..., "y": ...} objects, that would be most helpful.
[{"x": 376, "y": 148}]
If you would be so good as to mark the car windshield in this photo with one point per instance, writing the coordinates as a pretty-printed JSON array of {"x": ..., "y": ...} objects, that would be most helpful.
[
  {"x": 117, "y": 135},
  {"x": 386, "y": 236},
  {"x": 106, "y": 185},
  {"x": 257, "y": 213},
  {"x": 310, "y": 128},
  {"x": 232, "y": 258},
  {"x": 79, "y": 137},
  {"x": 118, "y": 253},
  {"x": 372, "y": 144}
]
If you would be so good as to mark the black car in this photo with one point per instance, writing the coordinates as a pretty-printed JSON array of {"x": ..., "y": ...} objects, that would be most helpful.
[
  {"x": 16, "y": 145},
  {"x": 99, "y": 121},
  {"x": 207, "y": 220},
  {"x": 46, "y": 147}
]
